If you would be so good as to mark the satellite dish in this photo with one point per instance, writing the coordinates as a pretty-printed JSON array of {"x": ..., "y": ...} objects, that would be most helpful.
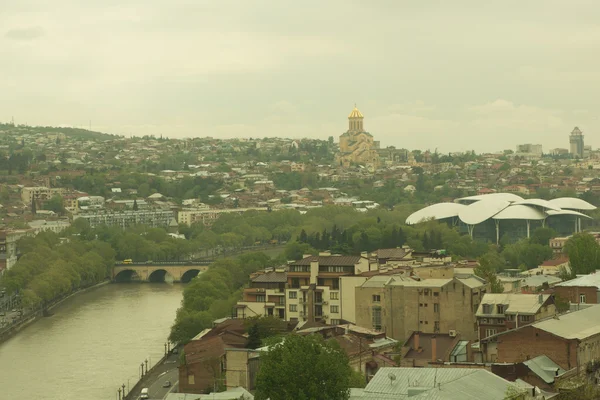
[{"x": 392, "y": 377}]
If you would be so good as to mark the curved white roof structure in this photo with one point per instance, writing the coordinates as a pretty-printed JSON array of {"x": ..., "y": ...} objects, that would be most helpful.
[
  {"x": 511, "y": 197},
  {"x": 538, "y": 203},
  {"x": 552, "y": 213},
  {"x": 572, "y": 203},
  {"x": 481, "y": 211},
  {"x": 521, "y": 211},
  {"x": 435, "y": 211}
]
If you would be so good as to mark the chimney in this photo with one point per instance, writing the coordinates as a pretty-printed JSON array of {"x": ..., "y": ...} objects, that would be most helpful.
[
  {"x": 433, "y": 349},
  {"x": 416, "y": 340}
]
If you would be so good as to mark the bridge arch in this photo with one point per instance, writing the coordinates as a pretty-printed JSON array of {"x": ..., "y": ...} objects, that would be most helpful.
[
  {"x": 127, "y": 275},
  {"x": 189, "y": 275},
  {"x": 160, "y": 275}
]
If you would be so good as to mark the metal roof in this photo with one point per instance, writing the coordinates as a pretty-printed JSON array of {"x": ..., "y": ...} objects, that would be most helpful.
[
  {"x": 538, "y": 203},
  {"x": 574, "y": 325},
  {"x": 481, "y": 211},
  {"x": 591, "y": 280},
  {"x": 271, "y": 277},
  {"x": 572, "y": 203},
  {"x": 552, "y": 213},
  {"x": 511, "y": 197},
  {"x": 545, "y": 368},
  {"x": 516, "y": 302},
  {"x": 434, "y": 383},
  {"x": 435, "y": 211},
  {"x": 520, "y": 212}
]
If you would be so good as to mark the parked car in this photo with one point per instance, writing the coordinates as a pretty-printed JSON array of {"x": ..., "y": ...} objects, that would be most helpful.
[{"x": 167, "y": 384}]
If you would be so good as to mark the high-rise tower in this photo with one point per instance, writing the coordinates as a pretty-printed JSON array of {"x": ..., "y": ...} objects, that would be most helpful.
[{"x": 576, "y": 142}]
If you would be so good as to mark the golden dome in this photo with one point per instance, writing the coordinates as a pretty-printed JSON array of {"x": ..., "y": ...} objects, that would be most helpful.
[{"x": 355, "y": 113}]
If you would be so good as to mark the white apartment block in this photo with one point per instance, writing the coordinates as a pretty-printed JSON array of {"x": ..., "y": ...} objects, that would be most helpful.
[{"x": 124, "y": 219}]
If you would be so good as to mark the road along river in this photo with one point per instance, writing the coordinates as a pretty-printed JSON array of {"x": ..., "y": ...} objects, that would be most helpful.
[{"x": 94, "y": 342}]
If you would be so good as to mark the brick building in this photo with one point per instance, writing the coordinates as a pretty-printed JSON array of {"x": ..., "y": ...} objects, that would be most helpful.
[
  {"x": 584, "y": 289},
  {"x": 570, "y": 340},
  {"x": 499, "y": 312}
]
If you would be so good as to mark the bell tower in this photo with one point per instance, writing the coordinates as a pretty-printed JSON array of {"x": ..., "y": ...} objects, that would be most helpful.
[{"x": 355, "y": 121}]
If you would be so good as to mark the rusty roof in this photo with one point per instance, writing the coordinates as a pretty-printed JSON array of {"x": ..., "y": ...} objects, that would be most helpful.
[{"x": 391, "y": 253}]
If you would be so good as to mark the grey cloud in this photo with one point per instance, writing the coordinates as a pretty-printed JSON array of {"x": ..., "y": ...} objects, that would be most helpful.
[{"x": 30, "y": 33}]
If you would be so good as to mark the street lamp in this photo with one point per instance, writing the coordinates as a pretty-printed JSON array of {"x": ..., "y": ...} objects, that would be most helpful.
[
  {"x": 146, "y": 361},
  {"x": 142, "y": 369},
  {"x": 119, "y": 393},
  {"x": 165, "y": 349},
  {"x": 123, "y": 386}
]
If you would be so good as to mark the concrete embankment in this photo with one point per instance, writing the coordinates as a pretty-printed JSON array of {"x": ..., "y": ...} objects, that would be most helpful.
[{"x": 35, "y": 315}]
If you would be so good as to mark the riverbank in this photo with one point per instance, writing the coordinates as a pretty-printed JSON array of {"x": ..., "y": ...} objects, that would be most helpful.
[
  {"x": 166, "y": 369},
  {"x": 38, "y": 314}
]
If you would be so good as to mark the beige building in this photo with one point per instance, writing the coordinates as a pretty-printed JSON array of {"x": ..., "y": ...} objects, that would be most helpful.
[
  {"x": 311, "y": 289},
  {"x": 208, "y": 216},
  {"x": 356, "y": 145},
  {"x": 39, "y": 193},
  {"x": 400, "y": 305}
]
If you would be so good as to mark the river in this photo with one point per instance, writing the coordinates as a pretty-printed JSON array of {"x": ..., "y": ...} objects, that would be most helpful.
[{"x": 94, "y": 342}]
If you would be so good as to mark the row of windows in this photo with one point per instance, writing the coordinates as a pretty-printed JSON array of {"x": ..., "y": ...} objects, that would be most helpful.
[
  {"x": 332, "y": 309},
  {"x": 332, "y": 295}
]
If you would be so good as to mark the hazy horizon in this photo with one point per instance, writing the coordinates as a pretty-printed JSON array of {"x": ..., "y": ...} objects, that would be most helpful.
[{"x": 448, "y": 75}]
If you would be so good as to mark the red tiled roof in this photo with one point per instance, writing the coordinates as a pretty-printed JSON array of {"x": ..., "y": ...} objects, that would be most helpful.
[
  {"x": 554, "y": 263},
  {"x": 330, "y": 260}
]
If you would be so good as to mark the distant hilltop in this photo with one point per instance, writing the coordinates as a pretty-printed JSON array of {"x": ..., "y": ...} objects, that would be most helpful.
[{"x": 76, "y": 133}]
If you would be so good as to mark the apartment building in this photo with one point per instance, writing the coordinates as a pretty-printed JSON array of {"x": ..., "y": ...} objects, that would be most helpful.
[
  {"x": 208, "y": 216},
  {"x": 400, "y": 305},
  {"x": 124, "y": 219},
  {"x": 9, "y": 251},
  {"x": 48, "y": 226},
  {"x": 266, "y": 295},
  {"x": 500, "y": 312},
  {"x": 39, "y": 193},
  {"x": 314, "y": 286}
]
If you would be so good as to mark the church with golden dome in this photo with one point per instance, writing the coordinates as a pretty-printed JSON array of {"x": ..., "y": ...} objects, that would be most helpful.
[{"x": 356, "y": 145}]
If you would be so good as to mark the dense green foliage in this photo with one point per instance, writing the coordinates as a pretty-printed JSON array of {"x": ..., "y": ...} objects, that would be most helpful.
[
  {"x": 213, "y": 294},
  {"x": 304, "y": 368},
  {"x": 584, "y": 254},
  {"x": 50, "y": 269}
]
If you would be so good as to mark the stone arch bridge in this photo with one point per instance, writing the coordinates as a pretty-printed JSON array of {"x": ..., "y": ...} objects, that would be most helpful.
[{"x": 159, "y": 271}]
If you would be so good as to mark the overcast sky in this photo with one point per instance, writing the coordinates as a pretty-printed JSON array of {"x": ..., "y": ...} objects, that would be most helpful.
[{"x": 452, "y": 75}]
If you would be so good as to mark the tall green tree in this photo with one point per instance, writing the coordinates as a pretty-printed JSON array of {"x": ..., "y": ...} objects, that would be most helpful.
[
  {"x": 584, "y": 253},
  {"x": 489, "y": 265},
  {"x": 304, "y": 368}
]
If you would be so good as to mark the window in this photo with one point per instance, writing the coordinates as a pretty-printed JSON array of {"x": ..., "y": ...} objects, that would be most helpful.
[
  {"x": 487, "y": 309},
  {"x": 582, "y": 298},
  {"x": 490, "y": 332},
  {"x": 293, "y": 295},
  {"x": 334, "y": 309},
  {"x": 261, "y": 298},
  {"x": 436, "y": 307},
  {"x": 524, "y": 318},
  {"x": 334, "y": 321},
  {"x": 320, "y": 282},
  {"x": 335, "y": 284},
  {"x": 296, "y": 283},
  {"x": 422, "y": 304},
  {"x": 500, "y": 308},
  {"x": 436, "y": 294},
  {"x": 376, "y": 320},
  {"x": 436, "y": 326},
  {"x": 293, "y": 307},
  {"x": 334, "y": 295},
  {"x": 376, "y": 298}
]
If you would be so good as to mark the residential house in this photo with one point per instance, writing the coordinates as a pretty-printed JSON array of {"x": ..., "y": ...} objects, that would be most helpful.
[
  {"x": 585, "y": 289},
  {"x": 266, "y": 295},
  {"x": 499, "y": 312}
]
